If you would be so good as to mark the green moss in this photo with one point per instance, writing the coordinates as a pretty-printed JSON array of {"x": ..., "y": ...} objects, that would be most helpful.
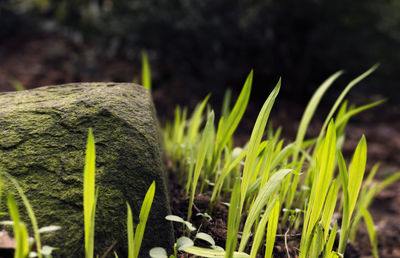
[{"x": 42, "y": 143}]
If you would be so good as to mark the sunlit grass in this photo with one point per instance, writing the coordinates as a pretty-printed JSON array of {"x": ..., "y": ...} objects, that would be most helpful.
[
  {"x": 89, "y": 195},
  {"x": 314, "y": 180}
]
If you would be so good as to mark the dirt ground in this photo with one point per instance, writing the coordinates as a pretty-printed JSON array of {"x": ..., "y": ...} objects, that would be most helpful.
[{"x": 38, "y": 60}]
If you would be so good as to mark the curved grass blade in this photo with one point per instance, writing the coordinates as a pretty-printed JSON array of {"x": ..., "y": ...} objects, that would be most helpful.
[
  {"x": 310, "y": 110},
  {"x": 343, "y": 95},
  {"x": 371, "y": 231},
  {"x": 231, "y": 122},
  {"x": 355, "y": 111},
  {"x": 261, "y": 200},
  {"x": 20, "y": 231},
  {"x": 29, "y": 210},
  {"x": 206, "y": 252}
]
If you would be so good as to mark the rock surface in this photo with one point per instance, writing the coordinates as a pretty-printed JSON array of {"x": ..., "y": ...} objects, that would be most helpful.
[{"x": 42, "y": 144}]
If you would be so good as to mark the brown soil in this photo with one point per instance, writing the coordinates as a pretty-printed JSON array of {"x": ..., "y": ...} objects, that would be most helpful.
[{"x": 38, "y": 60}]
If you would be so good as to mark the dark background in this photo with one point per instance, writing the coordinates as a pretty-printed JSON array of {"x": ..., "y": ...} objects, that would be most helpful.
[
  {"x": 209, "y": 45},
  {"x": 200, "y": 46}
]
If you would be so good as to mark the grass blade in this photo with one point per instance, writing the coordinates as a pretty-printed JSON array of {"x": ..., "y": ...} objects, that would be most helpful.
[
  {"x": 143, "y": 216},
  {"x": 355, "y": 111},
  {"x": 231, "y": 122},
  {"x": 29, "y": 210},
  {"x": 146, "y": 76},
  {"x": 233, "y": 220},
  {"x": 343, "y": 95},
  {"x": 271, "y": 230},
  {"x": 331, "y": 241},
  {"x": 356, "y": 173},
  {"x": 323, "y": 173},
  {"x": 131, "y": 234},
  {"x": 329, "y": 208},
  {"x": 255, "y": 140},
  {"x": 17, "y": 85},
  {"x": 20, "y": 232},
  {"x": 261, "y": 200},
  {"x": 310, "y": 110},
  {"x": 89, "y": 198},
  {"x": 260, "y": 231},
  {"x": 206, "y": 252},
  {"x": 371, "y": 231},
  {"x": 201, "y": 155}
]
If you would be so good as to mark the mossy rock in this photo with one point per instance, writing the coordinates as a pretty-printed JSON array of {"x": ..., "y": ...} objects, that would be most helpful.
[{"x": 43, "y": 136}]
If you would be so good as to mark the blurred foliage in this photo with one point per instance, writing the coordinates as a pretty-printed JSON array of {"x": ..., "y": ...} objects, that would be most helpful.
[{"x": 209, "y": 43}]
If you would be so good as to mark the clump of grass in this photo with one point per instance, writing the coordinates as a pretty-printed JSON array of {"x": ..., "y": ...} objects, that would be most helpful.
[{"x": 305, "y": 181}]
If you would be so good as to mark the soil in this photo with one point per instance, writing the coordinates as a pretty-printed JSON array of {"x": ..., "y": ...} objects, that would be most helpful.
[{"x": 42, "y": 59}]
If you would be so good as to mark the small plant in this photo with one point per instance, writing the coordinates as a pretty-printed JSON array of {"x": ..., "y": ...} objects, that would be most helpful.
[
  {"x": 22, "y": 246},
  {"x": 135, "y": 239}
]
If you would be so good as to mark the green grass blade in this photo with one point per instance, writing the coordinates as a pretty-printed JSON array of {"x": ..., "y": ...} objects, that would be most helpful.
[
  {"x": 331, "y": 241},
  {"x": 261, "y": 200},
  {"x": 29, "y": 210},
  {"x": 131, "y": 234},
  {"x": 196, "y": 120},
  {"x": 343, "y": 95},
  {"x": 225, "y": 171},
  {"x": 206, "y": 252},
  {"x": 92, "y": 225},
  {"x": 226, "y": 103},
  {"x": 260, "y": 231},
  {"x": 333, "y": 254},
  {"x": 231, "y": 122},
  {"x": 318, "y": 242},
  {"x": 271, "y": 230},
  {"x": 89, "y": 192},
  {"x": 143, "y": 216},
  {"x": 323, "y": 173},
  {"x": 388, "y": 181},
  {"x": 20, "y": 232},
  {"x": 346, "y": 215},
  {"x": 329, "y": 208},
  {"x": 17, "y": 85},
  {"x": 355, "y": 111},
  {"x": 255, "y": 140},
  {"x": 371, "y": 231},
  {"x": 233, "y": 219},
  {"x": 201, "y": 155},
  {"x": 356, "y": 173},
  {"x": 146, "y": 76},
  {"x": 310, "y": 110}
]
